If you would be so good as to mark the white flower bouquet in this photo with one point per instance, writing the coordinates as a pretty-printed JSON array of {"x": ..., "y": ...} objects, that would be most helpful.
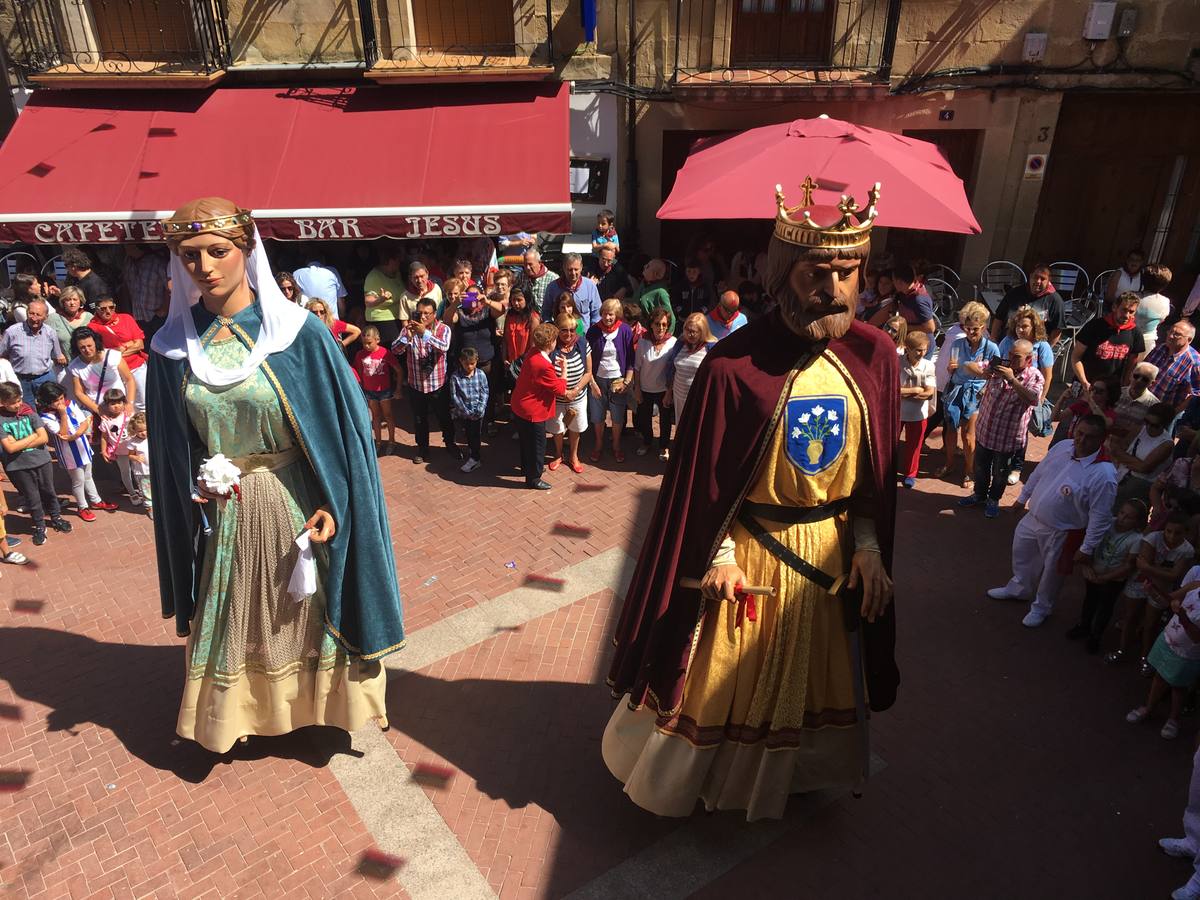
[{"x": 218, "y": 475}]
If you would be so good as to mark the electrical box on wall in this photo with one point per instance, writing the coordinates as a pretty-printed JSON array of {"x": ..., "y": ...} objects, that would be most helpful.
[
  {"x": 1099, "y": 22},
  {"x": 1128, "y": 22},
  {"x": 1035, "y": 47}
]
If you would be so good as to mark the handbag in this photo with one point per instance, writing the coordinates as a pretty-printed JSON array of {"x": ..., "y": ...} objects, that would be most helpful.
[{"x": 1041, "y": 422}]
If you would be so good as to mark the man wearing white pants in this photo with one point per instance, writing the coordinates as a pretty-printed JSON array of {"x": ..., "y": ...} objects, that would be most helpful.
[
  {"x": 1188, "y": 846},
  {"x": 1071, "y": 490}
]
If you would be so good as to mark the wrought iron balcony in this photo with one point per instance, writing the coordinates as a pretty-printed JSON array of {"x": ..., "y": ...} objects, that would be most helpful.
[
  {"x": 432, "y": 39},
  {"x": 783, "y": 43},
  {"x": 69, "y": 38}
]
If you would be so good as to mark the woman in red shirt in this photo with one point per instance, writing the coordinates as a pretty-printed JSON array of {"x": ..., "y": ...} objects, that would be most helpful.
[
  {"x": 533, "y": 402},
  {"x": 343, "y": 332}
]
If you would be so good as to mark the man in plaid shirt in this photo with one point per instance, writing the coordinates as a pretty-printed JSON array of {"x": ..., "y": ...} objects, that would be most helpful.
[
  {"x": 423, "y": 345},
  {"x": 535, "y": 279},
  {"x": 1178, "y": 366},
  {"x": 1012, "y": 391}
]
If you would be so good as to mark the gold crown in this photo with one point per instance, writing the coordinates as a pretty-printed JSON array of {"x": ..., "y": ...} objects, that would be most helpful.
[
  {"x": 177, "y": 227},
  {"x": 847, "y": 233}
]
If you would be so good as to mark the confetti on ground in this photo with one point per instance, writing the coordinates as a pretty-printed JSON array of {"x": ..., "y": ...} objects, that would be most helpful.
[
  {"x": 428, "y": 581},
  {"x": 431, "y": 775},
  {"x": 14, "y": 779},
  {"x": 544, "y": 582},
  {"x": 583, "y": 487},
  {"x": 511, "y": 564},
  {"x": 565, "y": 529},
  {"x": 380, "y": 865},
  {"x": 28, "y": 606},
  {"x": 11, "y": 711}
]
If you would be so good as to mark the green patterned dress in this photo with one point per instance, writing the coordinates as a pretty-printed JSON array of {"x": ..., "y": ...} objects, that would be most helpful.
[{"x": 259, "y": 661}]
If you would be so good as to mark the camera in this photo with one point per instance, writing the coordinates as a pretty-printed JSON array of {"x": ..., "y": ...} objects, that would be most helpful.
[{"x": 471, "y": 300}]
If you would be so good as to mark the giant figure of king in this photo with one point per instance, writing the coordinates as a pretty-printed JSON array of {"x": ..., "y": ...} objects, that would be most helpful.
[{"x": 758, "y": 628}]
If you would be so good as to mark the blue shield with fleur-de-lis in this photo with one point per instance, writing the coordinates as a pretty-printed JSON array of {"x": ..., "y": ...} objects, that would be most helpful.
[{"x": 816, "y": 432}]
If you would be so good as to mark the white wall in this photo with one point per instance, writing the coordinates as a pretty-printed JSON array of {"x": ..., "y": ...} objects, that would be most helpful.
[{"x": 594, "y": 133}]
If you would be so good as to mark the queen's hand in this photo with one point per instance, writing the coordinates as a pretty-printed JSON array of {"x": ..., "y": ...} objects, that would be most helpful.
[{"x": 321, "y": 526}]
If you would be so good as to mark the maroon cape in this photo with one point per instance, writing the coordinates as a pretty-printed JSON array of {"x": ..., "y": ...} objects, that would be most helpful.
[{"x": 723, "y": 427}]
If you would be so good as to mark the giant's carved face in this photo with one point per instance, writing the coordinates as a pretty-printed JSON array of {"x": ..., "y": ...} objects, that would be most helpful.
[
  {"x": 215, "y": 263},
  {"x": 821, "y": 297}
]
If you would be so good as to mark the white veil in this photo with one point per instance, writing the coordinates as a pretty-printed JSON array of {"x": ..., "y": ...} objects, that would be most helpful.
[{"x": 281, "y": 321}]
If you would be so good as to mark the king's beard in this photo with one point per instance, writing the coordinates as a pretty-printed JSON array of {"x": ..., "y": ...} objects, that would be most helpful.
[{"x": 813, "y": 325}]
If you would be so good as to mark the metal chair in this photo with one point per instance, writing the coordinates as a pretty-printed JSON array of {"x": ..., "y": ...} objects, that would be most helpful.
[
  {"x": 945, "y": 298},
  {"x": 944, "y": 273},
  {"x": 58, "y": 268},
  {"x": 1069, "y": 279},
  {"x": 997, "y": 279},
  {"x": 12, "y": 265},
  {"x": 1100, "y": 282}
]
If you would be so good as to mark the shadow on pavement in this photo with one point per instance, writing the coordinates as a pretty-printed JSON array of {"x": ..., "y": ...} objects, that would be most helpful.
[
  {"x": 134, "y": 691},
  {"x": 533, "y": 742}
]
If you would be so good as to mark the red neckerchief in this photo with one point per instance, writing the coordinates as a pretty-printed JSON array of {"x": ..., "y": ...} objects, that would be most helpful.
[
  {"x": 562, "y": 279},
  {"x": 538, "y": 274},
  {"x": 718, "y": 314},
  {"x": 1048, "y": 290},
  {"x": 608, "y": 232},
  {"x": 657, "y": 344},
  {"x": 1101, "y": 456},
  {"x": 1125, "y": 327},
  {"x": 615, "y": 325}
]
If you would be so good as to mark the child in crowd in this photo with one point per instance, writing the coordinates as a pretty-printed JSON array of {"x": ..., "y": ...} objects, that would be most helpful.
[
  {"x": 375, "y": 365},
  {"x": 632, "y": 314},
  {"x": 1105, "y": 576},
  {"x": 469, "y": 401},
  {"x": 1175, "y": 657},
  {"x": 883, "y": 305},
  {"x": 918, "y": 387},
  {"x": 1163, "y": 558},
  {"x": 869, "y": 295},
  {"x": 71, "y": 428},
  {"x": 26, "y": 460},
  {"x": 114, "y": 439},
  {"x": 139, "y": 458},
  {"x": 605, "y": 231},
  {"x": 696, "y": 295}
]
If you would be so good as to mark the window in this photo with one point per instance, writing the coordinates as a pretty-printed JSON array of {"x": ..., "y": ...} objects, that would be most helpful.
[
  {"x": 782, "y": 32},
  {"x": 589, "y": 179}
]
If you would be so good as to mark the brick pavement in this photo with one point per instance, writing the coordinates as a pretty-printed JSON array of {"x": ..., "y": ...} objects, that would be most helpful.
[{"x": 1009, "y": 768}]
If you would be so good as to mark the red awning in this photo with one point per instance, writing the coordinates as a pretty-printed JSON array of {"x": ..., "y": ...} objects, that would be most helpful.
[{"x": 315, "y": 163}]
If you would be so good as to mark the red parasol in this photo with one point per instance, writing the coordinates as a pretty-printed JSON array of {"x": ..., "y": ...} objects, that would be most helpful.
[{"x": 735, "y": 177}]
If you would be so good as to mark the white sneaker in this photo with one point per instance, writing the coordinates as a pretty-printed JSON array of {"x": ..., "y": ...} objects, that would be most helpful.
[
  {"x": 1190, "y": 891},
  {"x": 1033, "y": 619},
  {"x": 1001, "y": 593},
  {"x": 470, "y": 465},
  {"x": 1014, "y": 477},
  {"x": 1177, "y": 847}
]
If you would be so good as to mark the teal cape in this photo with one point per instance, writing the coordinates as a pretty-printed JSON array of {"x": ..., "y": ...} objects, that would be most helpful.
[{"x": 327, "y": 411}]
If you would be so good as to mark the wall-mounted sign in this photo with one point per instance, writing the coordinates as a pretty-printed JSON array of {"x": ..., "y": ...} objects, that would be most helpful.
[{"x": 1035, "y": 166}]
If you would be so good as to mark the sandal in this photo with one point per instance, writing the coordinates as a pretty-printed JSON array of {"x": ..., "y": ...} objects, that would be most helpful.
[
  {"x": 13, "y": 558},
  {"x": 1136, "y": 715},
  {"x": 619, "y": 456},
  {"x": 1170, "y": 731},
  {"x": 577, "y": 468},
  {"x": 594, "y": 456},
  {"x": 554, "y": 464}
]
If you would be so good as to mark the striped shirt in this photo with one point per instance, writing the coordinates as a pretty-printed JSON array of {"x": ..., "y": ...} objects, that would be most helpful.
[
  {"x": 30, "y": 352},
  {"x": 74, "y": 454},
  {"x": 576, "y": 363},
  {"x": 1004, "y": 414},
  {"x": 424, "y": 355}
]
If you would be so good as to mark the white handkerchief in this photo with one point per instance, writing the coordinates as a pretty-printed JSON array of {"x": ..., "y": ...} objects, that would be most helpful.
[{"x": 303, "y": 582}]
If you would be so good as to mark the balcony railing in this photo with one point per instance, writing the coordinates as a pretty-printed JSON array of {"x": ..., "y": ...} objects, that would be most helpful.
[
  {"x": 417, "y": 37},
  {"x": 120, "y": 37},
  {"x": 783, "y": 42}
]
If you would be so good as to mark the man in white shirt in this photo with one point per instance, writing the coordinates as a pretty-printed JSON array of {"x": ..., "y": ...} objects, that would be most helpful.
[
  {"x": 317, "y": 280},
  {"x": 1072, "y": 490}
]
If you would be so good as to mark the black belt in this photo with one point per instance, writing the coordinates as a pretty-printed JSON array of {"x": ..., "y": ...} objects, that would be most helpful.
[
  {"x": 23, "y": 377},
  {"x": 793, "y": 515},
  {"x": 782, "y": 553}
]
